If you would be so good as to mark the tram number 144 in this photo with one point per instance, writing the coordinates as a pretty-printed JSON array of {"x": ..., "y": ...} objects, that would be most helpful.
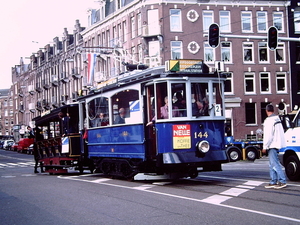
[{"x": 201, "y": 135}]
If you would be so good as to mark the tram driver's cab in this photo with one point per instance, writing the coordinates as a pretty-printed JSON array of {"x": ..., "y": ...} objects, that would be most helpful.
[{"x": 177, "y": 99}]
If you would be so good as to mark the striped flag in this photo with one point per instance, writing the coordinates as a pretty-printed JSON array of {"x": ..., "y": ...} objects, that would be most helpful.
[{"x": 91, "y": 58}]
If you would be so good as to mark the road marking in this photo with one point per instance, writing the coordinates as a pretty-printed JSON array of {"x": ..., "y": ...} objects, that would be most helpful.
[
  {"x": 234, "y": 192},
  {"x": 98, "y": 181},
  {"x": 8, "y": 176},
  {"x": 144, "y": 187},
  {"x": 18, "y": 164},
  {"x": 214, "y": 200}
]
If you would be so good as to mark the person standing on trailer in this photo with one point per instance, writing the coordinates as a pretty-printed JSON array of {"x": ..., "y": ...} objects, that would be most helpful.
[{"x": 274, "y": 140}]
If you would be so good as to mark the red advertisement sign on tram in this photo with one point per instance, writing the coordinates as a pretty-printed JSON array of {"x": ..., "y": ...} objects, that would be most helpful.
[{"x": 182, "y": 136}]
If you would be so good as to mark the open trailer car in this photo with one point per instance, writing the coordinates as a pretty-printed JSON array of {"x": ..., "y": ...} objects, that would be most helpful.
[{"x": 58, "y": 142}]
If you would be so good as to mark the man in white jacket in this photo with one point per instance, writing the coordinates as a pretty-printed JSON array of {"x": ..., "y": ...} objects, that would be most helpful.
[{"x": 272, "y": 142}]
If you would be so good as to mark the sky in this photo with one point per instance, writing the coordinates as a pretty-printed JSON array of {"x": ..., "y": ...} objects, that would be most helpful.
[{"x": 27, "y": 25}]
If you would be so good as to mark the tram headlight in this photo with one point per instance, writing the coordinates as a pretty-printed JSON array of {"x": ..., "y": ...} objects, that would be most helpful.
[{"x": 203, "y": 146}]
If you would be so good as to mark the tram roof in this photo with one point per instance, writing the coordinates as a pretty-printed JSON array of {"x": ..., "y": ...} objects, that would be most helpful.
[
  {"x": 138, "y": 76},
  {"x": 52, "y": 115}
]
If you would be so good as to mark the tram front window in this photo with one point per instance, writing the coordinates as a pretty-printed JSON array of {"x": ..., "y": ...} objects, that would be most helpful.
[
  {"x": 179, "y": 100},
  {"x": 200, "y": 99}
]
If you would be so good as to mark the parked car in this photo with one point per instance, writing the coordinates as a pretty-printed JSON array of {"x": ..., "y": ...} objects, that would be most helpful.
[
  {"x": 14, "y": 146},
  {"x": 7, "y": 143},
  {"x": 24, "y": 143}
]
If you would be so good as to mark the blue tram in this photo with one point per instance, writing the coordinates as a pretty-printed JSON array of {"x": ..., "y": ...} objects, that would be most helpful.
[{"x": 156, "y": 121}]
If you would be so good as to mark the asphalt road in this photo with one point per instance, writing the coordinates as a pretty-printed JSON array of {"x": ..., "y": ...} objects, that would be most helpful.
[{"x": 234, "y": 196}]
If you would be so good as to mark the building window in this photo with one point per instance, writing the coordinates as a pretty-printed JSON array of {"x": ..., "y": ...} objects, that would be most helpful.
[
  {"x": 133, "y": 54},
  {"x": 228, "y": 88},
  {"x": 297, "y": 20},
  {"x": 124, "y": 31},
  {"x": 281, "y": 83},
  {"x": 265, "y": 83},
  {"x": 278, "y": 20},
  {"x": 175, "y": 20},
  {"x": 120, "y": 35},
  {"x": 249, "y": 83},
  {"x": 263, "y": 52},
  {"x": 133, "y": 27},
  {"x": 262, "y": 21},
  {"x": 139, "y": 24},
  {"x": 209, "y": 55},
  {"x": 176, "y": 50},
  {"x": 225, "y": 21},
  {"x": 226, "y": 51},
  {"x": 207, "y": 20},
  {"x": 140, "y": 53},
  {"x": 280, "y": 53},
  {"x": 248, "y": 52},
  {"x": 246, "y": 22},
  {"x": 250, "y": 113}
]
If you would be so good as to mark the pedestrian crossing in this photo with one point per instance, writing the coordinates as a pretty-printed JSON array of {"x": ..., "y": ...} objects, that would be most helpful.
[{"x": 17, "y": 164}]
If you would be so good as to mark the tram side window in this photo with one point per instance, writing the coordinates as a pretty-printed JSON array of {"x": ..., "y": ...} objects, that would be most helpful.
[
  {"x": 162, "y": 103},
  {"x": 98, "y": 112},
  {"x": 217, "y": 104},
  {"x": 200, "y": 96},
  {"x": 126, "y": 107},
  {"x": 179, "y": 100}
]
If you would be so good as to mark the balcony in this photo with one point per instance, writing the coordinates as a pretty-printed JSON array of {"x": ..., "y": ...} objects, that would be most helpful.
[
  {"x": 39, "y": 106},
  {"x": 31, "y": 107},
  {"x": 64, "y": 99},
  {"x": 153, "y": 61},
  {"x": 45, "y": 104},
  {"x": 54, "y": 102},
  {"x": 22, "y": 109},
  {"x": 54, "y": 80},
  {"x": 21, "y": 94},
  {"x": 64, "y": 78},
  {"x": 76, "y": 73},
  {"x": 31, "y": 89},
  {"x": 46, "y": 85},
  {"x": 38, "y": 87},
  {"x": 74, "y": 96},
  {"x": 150, "y": 31}
]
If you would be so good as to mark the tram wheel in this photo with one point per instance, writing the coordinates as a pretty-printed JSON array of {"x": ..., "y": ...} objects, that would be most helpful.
[
  {"x": 105, "y": 167},
  {"x": 126, "y": 170},
  {"x": 193, "y": 173}
]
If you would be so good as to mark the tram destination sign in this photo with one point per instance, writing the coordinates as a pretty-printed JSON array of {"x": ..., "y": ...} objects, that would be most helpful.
[{"x": 185, "y": 65}]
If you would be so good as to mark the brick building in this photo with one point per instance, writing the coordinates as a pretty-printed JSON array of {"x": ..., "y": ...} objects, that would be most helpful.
[{"x": 131, "y": 32}]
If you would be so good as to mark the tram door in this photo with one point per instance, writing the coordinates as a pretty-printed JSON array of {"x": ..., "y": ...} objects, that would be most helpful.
[{"x": 150, "y": 131}]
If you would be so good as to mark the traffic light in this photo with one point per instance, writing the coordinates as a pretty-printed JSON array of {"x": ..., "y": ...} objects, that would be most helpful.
[
  {"x": 272, "y": 38},
  {"x": 214, "y": 35}
]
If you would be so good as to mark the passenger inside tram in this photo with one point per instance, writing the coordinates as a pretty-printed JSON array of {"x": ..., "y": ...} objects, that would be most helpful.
[
  {"x": 164, "y": 110},
  {"x": 120, "y": 119},
  {"x": 101, "y": 121}
]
